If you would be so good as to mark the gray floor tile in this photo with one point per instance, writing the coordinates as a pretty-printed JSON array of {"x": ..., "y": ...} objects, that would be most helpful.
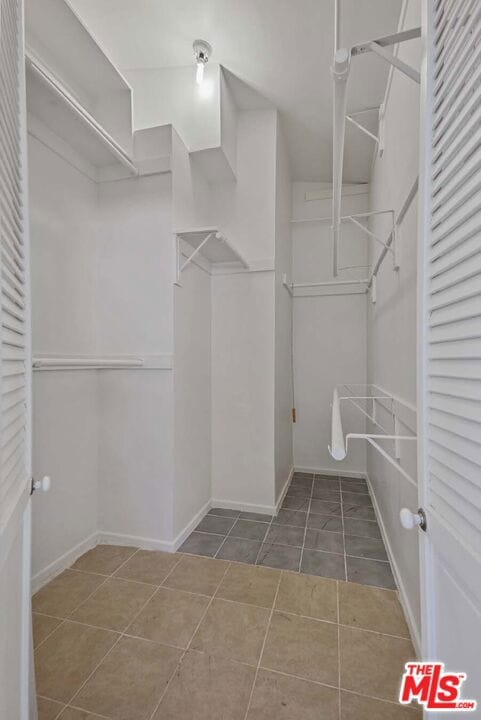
[
  {"x": 321, "y": 493},
  {"x": 359, "y": 499},
  {"x": 324, "y": 540},
  {"x": 326, "y": 482},
  {"x": 291, "y": 517},
  {"x": 325, "y": 522},
  {"x": 363, "y": 528},
  {"x": 281, "y": 557},
  {"x": 324, "y": 507},
  {"x": 255, "y": 516},
  {"x": 355, "y": 511},
  {"x": 365, "y": 547},
  {"x": 323, "y": 564},
  {"x": 224, "y": 512},
  {"x": 299, "y": 474},
  {"x": 202, "y": 544},
  {"x": 285, "y": 535},
  {"x": 215, "y": 524},
  {"x": 239, "y": 550},
  {"x": 296, "y": 491},
  {"x": 249, "y": 529},
  {"x": 353, "y": 485},
  {"x": 370, "y": 572},
  {"x": 296, "y": 503},
  {"x": 301, "y": 482}
]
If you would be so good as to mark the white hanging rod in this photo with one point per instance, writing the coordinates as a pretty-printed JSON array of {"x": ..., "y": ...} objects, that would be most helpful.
[
  {"x": 339, "y": 442},
  {"x": 343, "y": 218},
  {"x": 60, "y": 363},
  {"x": 51, "y": 81},
  {"x": 340, "y": 73},
  {"x": 326, "y": 283}
]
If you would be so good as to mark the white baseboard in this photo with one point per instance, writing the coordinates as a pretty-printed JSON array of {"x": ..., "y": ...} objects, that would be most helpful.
[
  {"x": 330, "y": 471},
  {"x": 403, "y": 596},
  {"x": 284, "y": 491},
  {"x": 109, "y": 538},
  {"x": 184, "y": 534},
  {"x": 62, "y": 563},
  {"x": 244, "y": 507}
]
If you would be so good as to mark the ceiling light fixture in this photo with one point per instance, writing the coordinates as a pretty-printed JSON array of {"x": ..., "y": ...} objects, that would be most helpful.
[{"x": 202, "y": 51}]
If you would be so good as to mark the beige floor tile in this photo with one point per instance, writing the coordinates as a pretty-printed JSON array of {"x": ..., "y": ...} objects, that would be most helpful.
[
  {"x": 355, "y": 707},
  {"x": 48, "y": 709},
  {"x": 66, "y": 658},
  {"x": 371, "y": 608},
  {"x": 170, "y": 617},
  {"x": 197, "y": 575},
  {"x": 303, "y": 647},
  {"x": 253, "y": 585},
  {"x": 278, "y": 697},
  {"x": 372, "y": 664},
  {"x": 232, "y": 630},
  {"x": 114, "y": 605},
  {"x": 65, "y": 593},
  {"x": 42, "y": 626},
  {"x": 207, "y": 688},
  {"x": 104, "y": 559},
  {"x": 71, "y": 713},
  {"x": 130, "y": 681},
  {"x": 148, "y": 566},
  {"x": 308, "y": 595}
]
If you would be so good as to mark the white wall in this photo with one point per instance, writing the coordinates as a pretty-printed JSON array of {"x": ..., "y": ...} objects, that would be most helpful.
[
  {"x": 243, "y": 389},
  {"x": 329, "y": 332},
  {"x": 134, "y": 316},
  {"x": 283, "y": 320},
  {"x": 65, "y": 410},
  {"x": 192, "y": 392},
  {"x": 392, "y": 321}
]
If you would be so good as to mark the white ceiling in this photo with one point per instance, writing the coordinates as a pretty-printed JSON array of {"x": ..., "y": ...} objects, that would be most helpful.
[{"x": 282, "y": 48}]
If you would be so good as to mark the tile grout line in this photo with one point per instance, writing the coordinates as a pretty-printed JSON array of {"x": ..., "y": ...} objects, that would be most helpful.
[
  {"x": 263, "y": 541},
  {"x": 307, "y": 519},
  {"x": 223, "y": 542},
  {"x": 263, "y": 646},
  {"x": 186, "y": 650},
  {"x": 343, "y": 532},
  {"x": 64, "y": 620},
  {"x": 121, "y": 634}
]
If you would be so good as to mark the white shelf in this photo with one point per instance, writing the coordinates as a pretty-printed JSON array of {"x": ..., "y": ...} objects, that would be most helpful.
[
  {"x": 210, "y": 248},
  {"x": 56, "y": 111}
]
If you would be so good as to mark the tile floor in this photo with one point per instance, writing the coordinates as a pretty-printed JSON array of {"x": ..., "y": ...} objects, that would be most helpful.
[
  {"x": 326, "y": 527},
  {"x": 130, "y": 634}
]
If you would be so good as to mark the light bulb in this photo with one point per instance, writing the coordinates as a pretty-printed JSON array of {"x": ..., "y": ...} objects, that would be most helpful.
[{"x": 199, "y": 76}]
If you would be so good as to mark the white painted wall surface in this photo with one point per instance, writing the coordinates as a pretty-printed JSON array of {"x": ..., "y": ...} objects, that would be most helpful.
[
  {"x": 392, "y": 321},
  {"x": 243, "y": 389},
  {"x": 170, "y": 95},
  {"x": 283, "y": 320},
  {"x": 329, "y": 332},
  {"x": 192, "y": 395},
  {"x": 65, "y": 410}
]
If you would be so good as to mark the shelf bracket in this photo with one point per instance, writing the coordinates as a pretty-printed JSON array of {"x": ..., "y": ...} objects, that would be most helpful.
[
  {"x": 198, "y": 249},
  {"x": 396, "y": 62},
  {"x": 362, "y": 128}
]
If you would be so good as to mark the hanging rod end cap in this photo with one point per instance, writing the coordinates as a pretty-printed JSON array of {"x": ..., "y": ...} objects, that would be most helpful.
[{"x": 340, "y": 66}]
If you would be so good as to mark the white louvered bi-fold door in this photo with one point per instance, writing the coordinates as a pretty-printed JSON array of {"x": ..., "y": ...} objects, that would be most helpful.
[
  {"x": 15, "y": 374},
  {"x": 450, "y": 340}
]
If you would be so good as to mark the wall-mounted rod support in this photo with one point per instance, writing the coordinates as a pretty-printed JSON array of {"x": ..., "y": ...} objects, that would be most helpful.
[
  {"x": 396, "y": 62},
  {"x": 198, "y": 249},
  {"x": 387, "y": 40},
  {"x": 367, "y": 132},
  {"x": 371, "y": 234}
]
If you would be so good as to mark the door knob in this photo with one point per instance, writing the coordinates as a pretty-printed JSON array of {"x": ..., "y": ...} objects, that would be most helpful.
[
  {"x": 43, "y": 484},
  {"x": 410, "y": 519}
]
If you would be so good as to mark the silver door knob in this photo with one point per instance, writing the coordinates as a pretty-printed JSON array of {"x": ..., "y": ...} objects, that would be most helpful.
[{"x": 409, "y": 520}]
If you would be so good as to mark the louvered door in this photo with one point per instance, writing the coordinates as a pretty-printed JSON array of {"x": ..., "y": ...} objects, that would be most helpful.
[
  {"x": 450, "y": 338},
  {"x": 14, "y": 374}
]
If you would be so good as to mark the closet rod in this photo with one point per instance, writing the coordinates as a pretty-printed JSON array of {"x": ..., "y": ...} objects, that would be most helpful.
[
  {"x": 328, "y": 218},
  {"x": 82, "y": 362},
  {"x": 51, "y": 81}
]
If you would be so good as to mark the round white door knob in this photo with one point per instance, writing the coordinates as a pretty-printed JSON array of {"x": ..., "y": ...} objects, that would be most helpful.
[
  {"x": 43, "y": 484},
  {"x": 410, "y": 519}
]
